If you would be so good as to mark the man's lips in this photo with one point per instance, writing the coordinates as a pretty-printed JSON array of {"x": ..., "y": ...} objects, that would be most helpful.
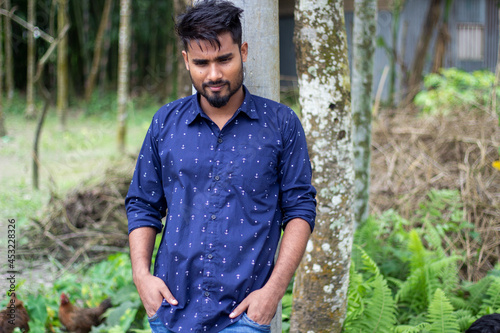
[{"x": 215, "y": 87}]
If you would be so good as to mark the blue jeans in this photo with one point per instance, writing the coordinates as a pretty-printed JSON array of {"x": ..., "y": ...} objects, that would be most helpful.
[{"x": 244, "y": 325}]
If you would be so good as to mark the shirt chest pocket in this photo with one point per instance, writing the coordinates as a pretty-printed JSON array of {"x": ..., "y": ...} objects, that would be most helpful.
[{"x": 254, "y": 168}]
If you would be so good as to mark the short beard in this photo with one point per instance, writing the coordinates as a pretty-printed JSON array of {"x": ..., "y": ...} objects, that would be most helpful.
[{"x": 216, "y": 100}]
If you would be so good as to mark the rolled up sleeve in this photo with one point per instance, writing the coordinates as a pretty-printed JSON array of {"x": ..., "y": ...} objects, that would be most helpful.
[
  {"x": 297, "y": 193},
  {"x": 145, "y": 202}
]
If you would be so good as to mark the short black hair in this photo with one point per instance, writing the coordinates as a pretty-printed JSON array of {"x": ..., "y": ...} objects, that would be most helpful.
[
  {"x": 208, "y": 19},
  {"x": 486, "y": 324}
]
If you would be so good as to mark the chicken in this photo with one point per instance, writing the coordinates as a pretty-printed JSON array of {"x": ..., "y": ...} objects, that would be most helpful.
[
  {"x": 15, "y": 315},
  {"x": 78, "y": 320}
]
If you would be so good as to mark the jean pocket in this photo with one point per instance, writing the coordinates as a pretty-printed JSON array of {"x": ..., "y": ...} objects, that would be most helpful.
[
  {"x": 155, "y": 316},
  {"x": 246, "y": 319}
]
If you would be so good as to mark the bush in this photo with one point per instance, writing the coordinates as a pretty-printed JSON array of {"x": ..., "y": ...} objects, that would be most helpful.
[{"x": 455, "y": 89}]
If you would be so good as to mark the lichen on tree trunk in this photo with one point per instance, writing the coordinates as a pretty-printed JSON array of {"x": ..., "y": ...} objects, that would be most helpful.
[
  {"x": 320, "y": 290},
  {"x": 364, "y": 34}
]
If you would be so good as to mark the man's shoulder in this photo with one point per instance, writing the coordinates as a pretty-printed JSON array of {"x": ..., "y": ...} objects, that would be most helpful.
[
  {"x": 272, "y": 107},
  {"x": 181, "y": 104},
  {"x": 266, "y": 102}
]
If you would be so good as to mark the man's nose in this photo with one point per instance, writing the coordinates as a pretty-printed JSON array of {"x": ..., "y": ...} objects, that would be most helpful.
[{"x": 214, "y": 73}]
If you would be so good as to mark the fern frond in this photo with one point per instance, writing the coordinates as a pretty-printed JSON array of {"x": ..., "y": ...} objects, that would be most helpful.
[
  {"x": 492, "y": 300},
  {"x": 355, "y": 297},
  {"x": 465, "y": 319},
  {"x": 477, "y": 292},
  {"x": 442, "y": 274},
  {"x": 412, "y": 329},
  {"x": 380, "y": 312},
  {"x": 459, "y": 303},
  {"x": 441, "y": 316},
  {"x": 368, "y": 264},
  {"x": 434, "y": 238},
  {"x": 417, "y": 250}
]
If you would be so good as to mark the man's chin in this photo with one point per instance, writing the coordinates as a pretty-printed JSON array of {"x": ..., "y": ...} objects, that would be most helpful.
[{"x": 218, "y": 102}]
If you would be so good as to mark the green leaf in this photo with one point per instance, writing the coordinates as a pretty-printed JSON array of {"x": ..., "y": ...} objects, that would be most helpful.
[{"x": 441, "y": 316}]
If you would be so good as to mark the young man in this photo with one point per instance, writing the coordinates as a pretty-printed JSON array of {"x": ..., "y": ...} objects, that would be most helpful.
[{"x": 229, "y": 170}]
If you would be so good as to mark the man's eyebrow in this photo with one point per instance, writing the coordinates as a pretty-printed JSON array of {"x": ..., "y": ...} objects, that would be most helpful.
[
  {"x": 224, "y": 57},
  {"x": 218, "y": 59}
]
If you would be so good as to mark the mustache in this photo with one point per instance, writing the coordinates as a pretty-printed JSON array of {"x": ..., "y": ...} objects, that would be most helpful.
[{"x": 214, "y": 83}]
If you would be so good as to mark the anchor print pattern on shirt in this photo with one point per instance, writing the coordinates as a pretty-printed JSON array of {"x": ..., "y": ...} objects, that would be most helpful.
[{"x": 225, "y": 195}]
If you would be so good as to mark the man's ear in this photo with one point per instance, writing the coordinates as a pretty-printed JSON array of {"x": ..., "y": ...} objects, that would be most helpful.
[
  {"x": 244, "y": 51},
  {"x": 185, "y": 56}
]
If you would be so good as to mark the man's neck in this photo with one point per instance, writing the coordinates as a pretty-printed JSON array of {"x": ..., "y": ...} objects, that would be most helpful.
[{"x": 221, "y": 116}]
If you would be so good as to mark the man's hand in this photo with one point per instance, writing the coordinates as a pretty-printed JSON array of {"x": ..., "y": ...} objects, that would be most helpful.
[
  {"x": 152, "y": 291},
  {"x": 260, "y": 306}
]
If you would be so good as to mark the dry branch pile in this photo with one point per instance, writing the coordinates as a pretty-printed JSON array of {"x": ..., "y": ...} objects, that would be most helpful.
[
  {"x": 88, "y": 223},
  {"x": 413, "y": 154}
]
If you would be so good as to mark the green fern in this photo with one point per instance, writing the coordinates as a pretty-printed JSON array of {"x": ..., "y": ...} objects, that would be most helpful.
[
  {"x": 417, "y": 249},
  {"x": 412, "y": 329},
  {"x": 371, "y": 304},
  {"x": 465, "y": 319},
  {"x": 476, "y": 293},
  {"x": 441, "y": 316},
  {"x": 492, "y": 302},
  {"x": 380, "y": 313}
]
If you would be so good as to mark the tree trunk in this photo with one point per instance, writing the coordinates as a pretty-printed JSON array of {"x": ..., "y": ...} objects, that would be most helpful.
[
  {"x": 364, "y": 34},
  {"x": 443, "y": 39},
  {"x": 497, "y": 78},
  {"x": 320, "y": 290},
  {"x": 417, "y": 68},
  {"x": 30, "y": 85},
  {"x": 105, "y": 57},
  {"x": 90, "y": 83},
  {"x": 9, "y": 61},
  {"x": 260, "y": 26},
  {"x": 3, "y": 130},
  {"x": 123, "y": 70},
  {"x": 62, "y": 66},
  {"x": 397, "y": 7},
  {"x": 184, "y": 86}
]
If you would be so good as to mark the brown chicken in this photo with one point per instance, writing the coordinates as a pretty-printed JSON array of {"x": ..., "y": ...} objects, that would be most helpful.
[
  {"x": 78, "y": 320},
  {"x": 15, "y": 315}
]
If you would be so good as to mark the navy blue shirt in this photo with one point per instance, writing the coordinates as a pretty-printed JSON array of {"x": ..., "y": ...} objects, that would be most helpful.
[{"x": 226, "y": 195}]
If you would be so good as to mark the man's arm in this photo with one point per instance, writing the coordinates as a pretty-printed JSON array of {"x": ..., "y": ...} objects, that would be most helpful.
[
  {"x": 261, "y": 304},
  {"x": 152, "y": 289}
]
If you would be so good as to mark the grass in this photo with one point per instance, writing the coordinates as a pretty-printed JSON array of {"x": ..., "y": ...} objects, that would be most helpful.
[{"x": 67, "y": 158}]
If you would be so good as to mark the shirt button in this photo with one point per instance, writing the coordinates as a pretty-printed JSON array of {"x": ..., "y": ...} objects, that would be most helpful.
[
  {"x": 210, "y": 256},
  {"x": 207, "y": 294},
  {"x": 219, "y": 140},
  {"x": 217, "y": 178},
  {"x": 213, "y": 217}
]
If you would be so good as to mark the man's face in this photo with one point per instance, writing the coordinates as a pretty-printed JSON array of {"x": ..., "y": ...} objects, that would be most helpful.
[{"x": 216, "y": 73}]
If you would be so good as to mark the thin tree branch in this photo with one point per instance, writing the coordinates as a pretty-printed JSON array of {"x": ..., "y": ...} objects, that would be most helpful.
[
  {"x": 45, "y": 58},
  {"x": 26, "y": 25}
]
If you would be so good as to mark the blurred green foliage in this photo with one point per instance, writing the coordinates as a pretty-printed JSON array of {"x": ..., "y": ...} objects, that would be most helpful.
[{"x": 455, "y": 89}]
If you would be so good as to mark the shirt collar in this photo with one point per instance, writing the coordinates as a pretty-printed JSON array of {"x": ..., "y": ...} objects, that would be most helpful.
[{"x": 248, "y": 107}]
